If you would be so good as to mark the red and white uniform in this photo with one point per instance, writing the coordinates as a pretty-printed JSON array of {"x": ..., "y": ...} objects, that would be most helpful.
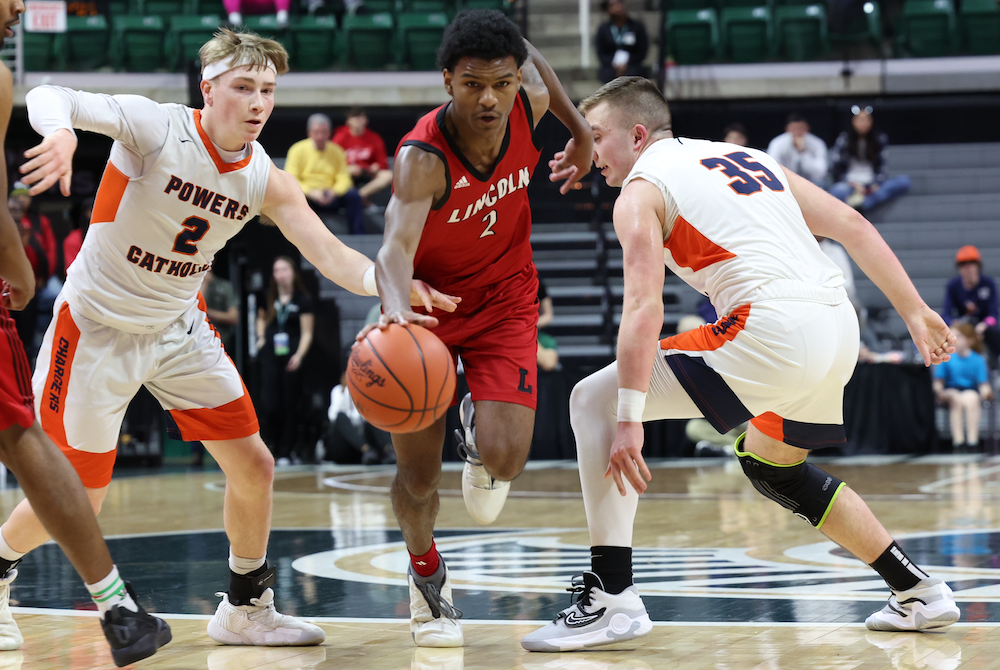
[
  {"x": 476, "y": 244},
  {"x": 16, "y": 400},
  {"x": 787, "y": 339},
  {"x": 130, "y": 314}
]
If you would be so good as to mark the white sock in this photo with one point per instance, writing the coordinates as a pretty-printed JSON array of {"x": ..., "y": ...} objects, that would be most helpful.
[
  {"x": 6, "y": 553},
  {"x": 244, "y": 566},
  {"x": 110, "y": 591},
  {"x": 593, "y": 415}
]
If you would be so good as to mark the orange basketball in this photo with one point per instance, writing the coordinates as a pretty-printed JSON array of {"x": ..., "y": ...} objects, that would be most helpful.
[{"x": 402, "y": 379}]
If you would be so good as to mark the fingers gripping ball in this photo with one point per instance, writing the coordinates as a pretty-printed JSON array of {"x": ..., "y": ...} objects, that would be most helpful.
[{"x": 402, "y": 379}]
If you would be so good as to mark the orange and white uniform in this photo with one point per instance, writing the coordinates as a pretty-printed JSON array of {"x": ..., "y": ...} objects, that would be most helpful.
[
  {"x": 786, "y": 342},
  {"x": 130, "y": 313}
]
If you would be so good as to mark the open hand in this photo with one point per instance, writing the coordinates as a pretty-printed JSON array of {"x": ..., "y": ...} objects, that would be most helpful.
[
  {"x": 573, "y": 164},
  {"x": 427, "y": 297},
  {"x": 626, "y": 458},
  {"x": 402, "y": 317},
  {"x": 50, "y": 161},
  {"x": 931, "y": 335}
]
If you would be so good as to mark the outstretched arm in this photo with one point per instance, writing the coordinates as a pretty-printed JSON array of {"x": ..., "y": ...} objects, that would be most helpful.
[
  {"x": 828, "y": 217},
  {"x": 639, "y": 213},
  {"x": 573, "y": 164},
  {"x": 139, "y": 124}
]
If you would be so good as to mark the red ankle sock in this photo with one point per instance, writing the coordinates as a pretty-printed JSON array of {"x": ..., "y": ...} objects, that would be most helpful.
[{"x": 427, "y": 564}]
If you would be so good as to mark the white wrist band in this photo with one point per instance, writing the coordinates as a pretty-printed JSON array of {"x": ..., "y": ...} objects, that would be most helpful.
[
  {"x": 631, "y": 403},
  {"x": 368, "y": 282}
]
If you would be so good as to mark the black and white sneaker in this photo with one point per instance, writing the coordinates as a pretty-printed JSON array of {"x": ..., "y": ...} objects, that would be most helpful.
[
  {"x": 930, "y": 604},
  {"x": 596, "y": 618},
  {"x": 133, "y": 636}
]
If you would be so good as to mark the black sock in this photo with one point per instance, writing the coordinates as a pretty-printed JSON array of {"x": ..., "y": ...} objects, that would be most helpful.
[
  {"x": 614, "y": 566},
  {"x": 244, "y": 587},
  {"x": 896, "y": 568},
  {"x": 6, "y": 565}
]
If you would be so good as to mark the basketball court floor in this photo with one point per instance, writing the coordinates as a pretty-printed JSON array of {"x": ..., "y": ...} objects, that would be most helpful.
[{"x": 731, "y": 580}]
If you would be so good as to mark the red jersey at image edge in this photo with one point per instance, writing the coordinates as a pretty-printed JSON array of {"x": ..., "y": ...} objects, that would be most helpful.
[{"x": 478, "y": 233}]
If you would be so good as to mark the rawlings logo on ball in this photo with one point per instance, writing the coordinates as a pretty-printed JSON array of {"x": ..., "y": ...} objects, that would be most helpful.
[{"x": 363, "y": 369}]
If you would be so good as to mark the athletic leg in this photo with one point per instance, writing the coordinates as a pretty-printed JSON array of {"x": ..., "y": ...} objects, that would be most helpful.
[
  {"x": 972, "y": 403},
  {"x": 433, "y": 618},
  {"x": 503, "y": 437},
  {"x": 955, "y": 418}
]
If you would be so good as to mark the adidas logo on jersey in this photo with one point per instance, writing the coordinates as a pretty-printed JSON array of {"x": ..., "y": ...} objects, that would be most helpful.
[{"x": 462, "y": 183}]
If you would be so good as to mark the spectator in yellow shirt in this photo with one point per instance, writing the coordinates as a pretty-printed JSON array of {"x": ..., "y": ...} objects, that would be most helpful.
[{"x": 320, "y": 167}]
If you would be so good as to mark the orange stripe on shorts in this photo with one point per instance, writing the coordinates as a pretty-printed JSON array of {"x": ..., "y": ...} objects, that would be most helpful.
[
  {"x": 94, "y": 468},
  {"x": 710, "y": 336},
  {"x": 771, "y": 425},
  {"x": 231, "y": 421}
]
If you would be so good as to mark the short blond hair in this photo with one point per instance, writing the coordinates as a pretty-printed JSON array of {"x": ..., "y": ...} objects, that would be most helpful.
[
  {"x": 248, "y": 48},
  {"x": 637, "y": 100}
]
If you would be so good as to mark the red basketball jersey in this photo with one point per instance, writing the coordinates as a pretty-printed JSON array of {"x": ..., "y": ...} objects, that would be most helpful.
[{"x": 478, "y": 233}]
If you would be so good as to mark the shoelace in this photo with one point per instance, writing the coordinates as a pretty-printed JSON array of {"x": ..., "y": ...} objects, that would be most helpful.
[
  {"x": 582, "y": 592},
  {"x": 433, "y": 596},
  {"x": 465, "y": 452}
]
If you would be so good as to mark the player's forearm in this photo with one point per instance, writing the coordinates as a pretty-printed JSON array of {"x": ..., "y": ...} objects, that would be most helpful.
[
  {"x": 15, "y": 268},
  {"x": 559, "y": 103},
  {"x": 394, "y": 275},
  {"x": 637, "y": 336}
]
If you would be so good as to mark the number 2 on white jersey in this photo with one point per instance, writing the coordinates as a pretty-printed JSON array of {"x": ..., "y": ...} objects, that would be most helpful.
[{"x": 490, "y": 219}]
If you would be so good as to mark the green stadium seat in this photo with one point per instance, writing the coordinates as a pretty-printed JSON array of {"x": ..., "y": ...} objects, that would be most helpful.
[
  {"x": 865, "y": 28},
  {"x": 206, "y": 7},
  {"x": 746, "y": 33},
  {"x": 427, "y": 6},
  {"x": 185, "y": 37},
  {"x": 927, "y": 28},
  {"x": 380, "y": 6},
  {"x": 746, "y": 3},
  {"x": 419, "y": 38},
  {"x": 118, "y": 8},
  {"x": 137, "y": 43},
  {"x": 266, "y": 25},
  {"x": 367, "y": 41},
  {"x": 84, "y": 46},
  {"x": 505, "y": 6},
  {"x": 165, "y": 9},
  {"x": 692, "y": 35},
  {"x": 801, "y": 31},
  {"x": 313, "y": 42},
  {"x": 980, "y": 21},
  {"x": 674, "y": 5},
  {"x": 39, "y": 52}
]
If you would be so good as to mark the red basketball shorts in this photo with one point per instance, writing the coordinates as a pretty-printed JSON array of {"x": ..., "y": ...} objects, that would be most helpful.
[
  {"x": 495, "y": 331},
  {"x": 17, "y": 403}
]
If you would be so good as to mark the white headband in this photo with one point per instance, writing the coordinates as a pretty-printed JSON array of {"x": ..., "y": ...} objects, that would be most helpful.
[{"x": 213, "y": 70}]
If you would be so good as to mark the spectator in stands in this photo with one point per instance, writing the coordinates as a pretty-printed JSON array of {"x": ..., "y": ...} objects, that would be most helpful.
[
  {"x": 320, "y": 167},
  {"x": 736, "y": 134},
  {"x": 349, "y": 439},
  {"x": 548, "y": 348},
  {"x": 74, "y": 239},
  {"x": 622, "y": 44},
  {"x": 222, "y": 306},
  {"x": 962, "y": 384},
  {"x": 799, "y": 150},
  {"x": 972, "y": 296},
  {"x": 284, "y": 336},
  {"x": 365, "y": 150},
  {"x": 860, "y": 170},
  {"x": 40, "y": 246},
  {"x": 236, "y": 8},
  {"x": 86, "y": 8}
]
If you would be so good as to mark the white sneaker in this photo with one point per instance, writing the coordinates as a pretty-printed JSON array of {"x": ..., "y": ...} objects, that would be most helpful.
[
  {"x": 260, "y": 624},
  {"x": 929, "y": 604},
  {"x": 433, "y": 617},
  {"x": 484, "y": 496},
  {"x": 596, "y": 618},
  {"x": 10, "y": 634}
]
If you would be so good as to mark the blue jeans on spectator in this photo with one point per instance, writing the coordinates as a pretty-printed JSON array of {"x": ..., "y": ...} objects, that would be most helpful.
[
  {"x": 893, "y": 187},
  {"x": 353, "y": 207}
]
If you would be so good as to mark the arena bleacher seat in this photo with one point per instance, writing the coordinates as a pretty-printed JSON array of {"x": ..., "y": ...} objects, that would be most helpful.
[
  {"x": 186, "y": 35},
  {"x": 801, "y": 31},
  {"x": 39, "y": 51},
  {"x": 864, "y": 28},
  {"x": 419, "y": 36},
  {"x": 367, "y": 41},
  {"x": 693, "y": 35},
  {"x": 928, "y": 28},
  {"x": 314, "y": 42},
  {"x": 980, "y": 26},
  {"x": 746, "y": 33},
  {"x": 137, "y": 43}
]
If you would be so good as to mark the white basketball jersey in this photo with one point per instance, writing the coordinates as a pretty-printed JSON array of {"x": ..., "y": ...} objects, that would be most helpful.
[
  {"x": 732, "y": 225},
  {"x": 152, "y": 238}
]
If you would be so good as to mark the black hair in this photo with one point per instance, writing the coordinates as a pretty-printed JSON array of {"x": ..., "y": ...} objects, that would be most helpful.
[
  {"x": 795, "y": 117},
  {"x": 356, "y": 111},
  {"x": 873, "y": 141},
  {"x": 480, "y": 33},
  {"x": 734, "y": 128}
]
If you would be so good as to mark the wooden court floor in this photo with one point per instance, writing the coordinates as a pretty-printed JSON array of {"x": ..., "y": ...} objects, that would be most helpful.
[{"x": 731, "y": 580}]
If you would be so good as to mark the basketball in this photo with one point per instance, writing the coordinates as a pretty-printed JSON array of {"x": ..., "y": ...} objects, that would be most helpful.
[{"x": 402, "y": 379}]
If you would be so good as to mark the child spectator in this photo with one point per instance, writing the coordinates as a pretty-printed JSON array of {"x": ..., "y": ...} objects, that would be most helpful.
[{"x": 962, "y": 383}]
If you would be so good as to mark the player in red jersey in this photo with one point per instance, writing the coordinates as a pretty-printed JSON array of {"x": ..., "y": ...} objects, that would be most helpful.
[
  {"x": 46, "y": 476},
  {"x": 459, "y": 216}
]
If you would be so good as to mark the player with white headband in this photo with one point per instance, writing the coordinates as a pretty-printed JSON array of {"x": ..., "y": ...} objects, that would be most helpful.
[{"x": 178, "y": 184}]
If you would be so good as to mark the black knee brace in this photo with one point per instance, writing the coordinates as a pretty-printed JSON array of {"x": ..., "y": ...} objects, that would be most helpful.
[{"x": 802, "y": 488}]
